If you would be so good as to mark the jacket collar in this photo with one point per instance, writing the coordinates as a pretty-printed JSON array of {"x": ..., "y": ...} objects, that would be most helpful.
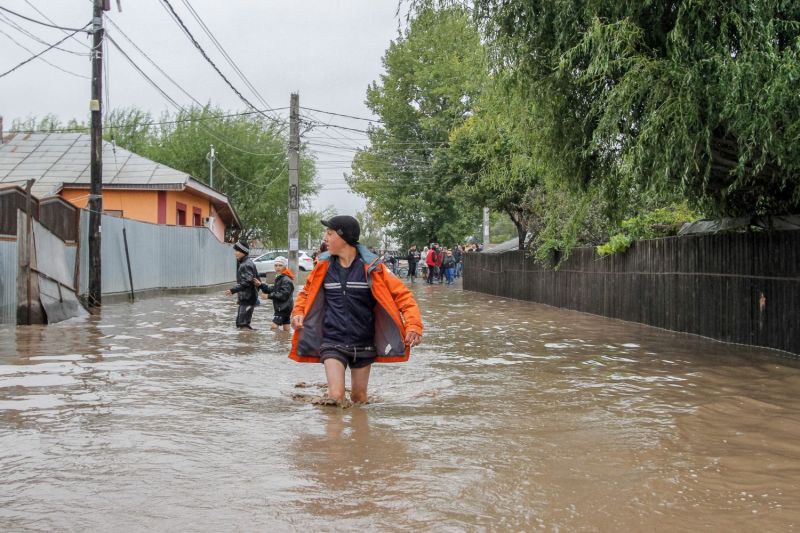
[{"x": 371, "y": 260}]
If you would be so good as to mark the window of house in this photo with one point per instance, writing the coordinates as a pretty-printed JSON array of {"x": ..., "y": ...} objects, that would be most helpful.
[
  {"x": 180, "y": 215},
  {"x": 197, "y": 219}
]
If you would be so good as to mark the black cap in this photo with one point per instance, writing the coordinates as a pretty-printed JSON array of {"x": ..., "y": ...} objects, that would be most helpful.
[
  {"x": 345, "y": 226},
  {"x": 242, "y": 247}
]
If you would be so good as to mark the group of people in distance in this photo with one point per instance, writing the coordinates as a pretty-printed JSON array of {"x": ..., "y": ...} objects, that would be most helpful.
[
  {"x": 437, "y": 263},
  {"x": 351, "y": 312}
]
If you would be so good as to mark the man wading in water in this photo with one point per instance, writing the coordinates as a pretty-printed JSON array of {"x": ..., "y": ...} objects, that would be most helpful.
[{"x": 352, "y": 312}]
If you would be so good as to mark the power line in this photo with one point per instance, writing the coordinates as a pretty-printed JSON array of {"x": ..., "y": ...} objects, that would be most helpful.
[
  {"x": 6, "y": 73},
  {"x": 158, "y": 123},
  {"x": 43, "y": 59},
  {"x": 176, "y": 104},
  {"x": 48, "y": 19},
  {"x": 147, "y": 57},
  {"x": 225, "y": 54},
  {"x": 341, "y": 115},
  {"x": 75, "y": 30},
  {"x": 210, "y": 62},
  {"x": 5, "y": 20},
  {"x": 265, "y": 186}
]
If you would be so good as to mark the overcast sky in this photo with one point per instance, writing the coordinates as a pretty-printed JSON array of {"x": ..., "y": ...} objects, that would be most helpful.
[{"x": 328, "y": 51}]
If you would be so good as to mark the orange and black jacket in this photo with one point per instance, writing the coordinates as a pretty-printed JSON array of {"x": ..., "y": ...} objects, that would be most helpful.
[{"x": 396, "y": 312}]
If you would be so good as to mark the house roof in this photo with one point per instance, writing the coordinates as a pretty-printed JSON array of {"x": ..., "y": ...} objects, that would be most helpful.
[{"x": 59, "y": 160}]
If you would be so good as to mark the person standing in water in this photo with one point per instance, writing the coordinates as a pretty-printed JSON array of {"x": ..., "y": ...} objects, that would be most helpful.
[
  {"x": 352, "y": 312},
  {"x": 245, "y": 289},
  {"x": 281, "y": 293}
]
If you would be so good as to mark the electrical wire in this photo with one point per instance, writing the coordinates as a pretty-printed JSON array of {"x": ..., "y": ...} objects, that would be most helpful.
[
  {"x": 225, "y": 55},
  {"x": 196, "y": 44},
  {"x": 43, "y": 59},
  {"x": 150, "y": 124},
  {"x": 147, "y": 57},
  {"x": 341, "y": 115},
  {"x": 283, "y": 173},
  {"x": 48, "y": 19},
  {"x": 176, "y": 104},
  {"x": 6, "y": 73},
  {"x": 5, "y": 20},
  {"x": 74, "y": 30}
]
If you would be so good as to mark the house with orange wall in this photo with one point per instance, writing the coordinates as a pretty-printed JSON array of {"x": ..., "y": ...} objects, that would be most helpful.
[{"x": 134, "y": 187}]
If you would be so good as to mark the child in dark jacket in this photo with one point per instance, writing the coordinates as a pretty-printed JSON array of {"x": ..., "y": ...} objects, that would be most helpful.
[
  {"x": 281, "y": 293},
  {"x": 245, "y": 289},
  {"x": 449, "y": 266}
]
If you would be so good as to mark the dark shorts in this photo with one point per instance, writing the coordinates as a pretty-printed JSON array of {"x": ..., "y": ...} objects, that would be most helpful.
[
  {"x": 281, "y": 320},
  {"x": 352, "y": 357}
]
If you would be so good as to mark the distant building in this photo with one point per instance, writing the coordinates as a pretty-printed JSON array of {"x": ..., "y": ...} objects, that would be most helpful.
[{"x": 134, "y": 187}]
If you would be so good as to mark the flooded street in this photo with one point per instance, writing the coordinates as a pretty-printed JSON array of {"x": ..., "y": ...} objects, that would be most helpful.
[{"x": 160, "y": 416}]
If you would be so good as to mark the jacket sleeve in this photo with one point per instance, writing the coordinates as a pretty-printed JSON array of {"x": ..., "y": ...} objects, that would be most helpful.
[
  {"x": 405, "y": 302},
  {"x": 302, "y": 297},
  {"x": 282, "y": 291},
  {"x": 244, "y": 279}
]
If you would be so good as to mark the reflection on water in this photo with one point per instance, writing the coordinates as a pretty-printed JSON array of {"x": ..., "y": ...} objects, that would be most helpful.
[{"x": 511, "y": 416}]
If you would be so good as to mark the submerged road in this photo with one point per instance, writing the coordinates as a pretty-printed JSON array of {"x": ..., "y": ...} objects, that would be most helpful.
[{"x": 159, "y": 415}]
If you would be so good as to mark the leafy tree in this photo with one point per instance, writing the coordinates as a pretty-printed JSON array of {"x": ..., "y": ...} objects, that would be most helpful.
[
  {"x": 492, "y": 151},
  {"x": 648, "y": 98},
  {"x": 434, "y": 71},
  {"x": 371, "y": 230}
]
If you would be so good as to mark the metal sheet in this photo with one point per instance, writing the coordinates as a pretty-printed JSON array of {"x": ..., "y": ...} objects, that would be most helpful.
[
  {"x": 161, "y": 257},
  {"x": 8, "y": 282}
]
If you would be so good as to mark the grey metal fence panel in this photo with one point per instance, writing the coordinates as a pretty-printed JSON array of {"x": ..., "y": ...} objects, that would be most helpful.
[
  {"x": 8, "y": 282},
  {"x": 161, "y": 257}
]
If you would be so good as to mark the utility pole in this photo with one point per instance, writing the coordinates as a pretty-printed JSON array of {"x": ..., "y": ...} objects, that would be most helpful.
[
  {"x": 485, "y": 228},
  {"x": 294, "y": 180},
  {"x": 211, "y": 156},
  {"x": 96, "y": 165}
]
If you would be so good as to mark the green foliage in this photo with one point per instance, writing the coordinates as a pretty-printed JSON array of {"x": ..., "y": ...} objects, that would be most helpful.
[
  {"x": 434, "y": 71},
  {"x": 251, "y": 166},
  {"x": 653, "y": 98},
  {"x": 492, "y": 151},
  {"x": 617, "y": 244},
  {"x": 371, "y": 230},
  {"x": 661, "y": 222}
]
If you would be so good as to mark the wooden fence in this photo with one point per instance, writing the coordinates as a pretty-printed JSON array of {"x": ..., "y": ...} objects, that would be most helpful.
[
  {"x": 742, "y": 287},
  {"x": 55, "y": 213}
]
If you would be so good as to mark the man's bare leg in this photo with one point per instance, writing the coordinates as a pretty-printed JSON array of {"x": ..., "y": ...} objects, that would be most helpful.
[
  {"x": 334, "y": 373},
  {"x": 359, "y": 378}
]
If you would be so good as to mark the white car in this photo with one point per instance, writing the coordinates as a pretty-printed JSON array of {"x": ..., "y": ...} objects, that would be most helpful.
[{"x": 266, "y": 262}]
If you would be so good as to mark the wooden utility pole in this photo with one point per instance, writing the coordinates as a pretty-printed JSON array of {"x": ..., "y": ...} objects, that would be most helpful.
[
  {"x": 294, "y": 180},
  {"x": 96, "y": 188}
]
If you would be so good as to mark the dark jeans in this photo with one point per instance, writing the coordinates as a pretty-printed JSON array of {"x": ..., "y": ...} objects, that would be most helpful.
[
  {"x": 244, "y": 315},
  {"x": 431, "y": 273},
  {"x": 412, "y": 270}
]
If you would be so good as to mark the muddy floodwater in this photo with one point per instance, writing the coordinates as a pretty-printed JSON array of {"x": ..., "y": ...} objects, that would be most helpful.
[{"x": 512, "y": 416}]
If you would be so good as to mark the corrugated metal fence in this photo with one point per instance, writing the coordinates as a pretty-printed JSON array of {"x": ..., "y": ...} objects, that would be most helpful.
[
  {"x": 742, "y": 288},
  {"x": 161, "y": 257},
  {"x": 8, "y": 282}
]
